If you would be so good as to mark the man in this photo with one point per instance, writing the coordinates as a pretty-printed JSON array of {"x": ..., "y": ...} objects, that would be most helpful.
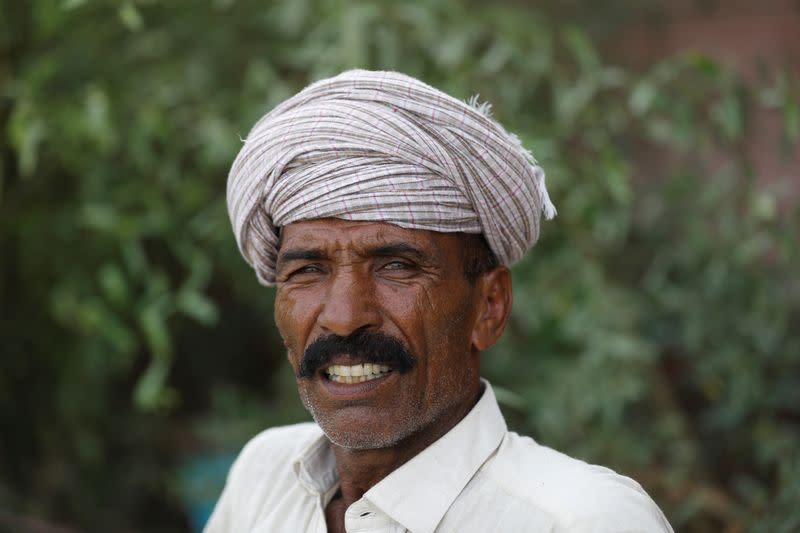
[{"x": 387, "y": 213}]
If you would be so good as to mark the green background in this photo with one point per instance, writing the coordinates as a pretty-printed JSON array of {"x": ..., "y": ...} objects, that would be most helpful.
[{"x": 656, "y": 326}]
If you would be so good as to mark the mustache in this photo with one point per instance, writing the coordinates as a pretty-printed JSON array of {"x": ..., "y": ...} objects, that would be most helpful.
[{"x": 366, "y": 346}]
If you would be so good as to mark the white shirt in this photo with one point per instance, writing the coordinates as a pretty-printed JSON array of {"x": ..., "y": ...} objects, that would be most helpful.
[{"x": 479, "y": 477}]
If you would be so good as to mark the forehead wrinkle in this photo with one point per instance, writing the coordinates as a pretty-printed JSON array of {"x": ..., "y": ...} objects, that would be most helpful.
[
  {"x": 365, "y": 242},
  {"x": 350, "y": 242},
  {"x": 398, "y": 248},
  {"x": 390, "y": 241}
]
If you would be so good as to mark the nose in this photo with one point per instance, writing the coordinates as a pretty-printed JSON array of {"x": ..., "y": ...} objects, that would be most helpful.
[{"x": 350, "y": 304}]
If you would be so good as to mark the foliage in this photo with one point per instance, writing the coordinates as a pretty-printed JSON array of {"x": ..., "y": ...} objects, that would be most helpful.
[{"x": 655, "y": 325}]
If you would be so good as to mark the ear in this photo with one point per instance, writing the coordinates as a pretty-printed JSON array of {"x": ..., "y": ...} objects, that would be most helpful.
[{"x": 494, "y": 307}]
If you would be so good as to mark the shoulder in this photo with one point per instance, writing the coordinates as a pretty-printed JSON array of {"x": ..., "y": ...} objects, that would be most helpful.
[
  {"x": 285, "y": 440},
  {"x": 264, "y": 463},
  {"x": 578, "y": 496},
  {"x": 273, "y": 448}
]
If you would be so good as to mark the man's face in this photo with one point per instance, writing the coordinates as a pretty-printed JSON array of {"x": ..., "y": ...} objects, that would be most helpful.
[{"x": 337, "y": 278}]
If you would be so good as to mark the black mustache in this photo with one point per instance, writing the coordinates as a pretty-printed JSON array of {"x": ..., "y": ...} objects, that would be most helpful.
[{"x": 366, "y": 346}]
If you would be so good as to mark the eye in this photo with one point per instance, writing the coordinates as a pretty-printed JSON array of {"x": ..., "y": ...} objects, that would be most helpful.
[
  {"x": 398, "y": 269},
  {"x": 398, "y": 265},
  {"x": 307, "y": 269}
]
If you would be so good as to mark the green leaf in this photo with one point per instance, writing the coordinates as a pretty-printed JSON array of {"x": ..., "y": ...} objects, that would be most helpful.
[
  {"x": 704, "y": 64},
  {"x": 67, "y": 5},
  {"x": 729, "y": 114},
  {"x": 508, "y": 397},
  {"x": 582, "y": 49},
  {"x": 642, "y": 97},
  {"x": 100, "y": 217},
  {"x": 130, "y": 16},
  {"x": 154, "y": 327},
  {"x": 195, "y": 305},
  {"x": 150, "y": 392},
  {"x": 27, "y": 131},
  {"x": 791, "y": 119},
  {"x": 114, "y": 284},
  {"x": 134, "y": 259}
]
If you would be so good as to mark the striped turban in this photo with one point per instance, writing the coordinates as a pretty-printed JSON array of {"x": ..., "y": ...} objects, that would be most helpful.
[{"x": 382, "y": 146}]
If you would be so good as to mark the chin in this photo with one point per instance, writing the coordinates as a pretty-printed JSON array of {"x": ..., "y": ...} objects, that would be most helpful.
[
  {"x": 360, "y": 436},
  {"x": 366, "y": 432},
  {"x": 363, "y": 428},
  {"x": 353, "y": 441}
]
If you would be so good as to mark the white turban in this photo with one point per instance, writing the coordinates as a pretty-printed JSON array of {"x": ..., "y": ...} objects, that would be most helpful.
[{"x": 382, "y": 146}]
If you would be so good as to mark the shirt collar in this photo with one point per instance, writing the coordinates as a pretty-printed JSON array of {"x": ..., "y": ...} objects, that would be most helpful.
[
  {"x": 315, "y": 466},
  {"x": 419, "y": 493}
]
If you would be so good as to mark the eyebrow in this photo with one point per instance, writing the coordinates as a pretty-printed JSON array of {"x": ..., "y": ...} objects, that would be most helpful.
[
  {"x": 384, "y": 250},
  {"x": 299, "y": 254},
  {"x": 399, "y": 248}
]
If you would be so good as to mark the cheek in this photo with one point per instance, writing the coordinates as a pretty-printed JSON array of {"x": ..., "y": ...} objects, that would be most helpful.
[
  {"x": 436, "y": 321},
  {"x": 292, "y": 320},
  {"x": 454, "y": 319}
]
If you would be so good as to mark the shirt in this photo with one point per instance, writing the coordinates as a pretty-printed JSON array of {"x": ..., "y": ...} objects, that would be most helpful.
[{"x": 478, "y": 477}]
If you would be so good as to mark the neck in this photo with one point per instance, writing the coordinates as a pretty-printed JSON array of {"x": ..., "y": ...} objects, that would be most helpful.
[{"x": 360, "y": 470}]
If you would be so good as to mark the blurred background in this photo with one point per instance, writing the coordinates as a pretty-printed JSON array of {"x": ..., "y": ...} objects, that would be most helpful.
[{"x": 656, "y": 326}]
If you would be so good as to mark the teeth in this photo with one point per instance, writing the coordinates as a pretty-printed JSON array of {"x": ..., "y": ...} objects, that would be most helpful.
[{"x": 356, "y": 373}]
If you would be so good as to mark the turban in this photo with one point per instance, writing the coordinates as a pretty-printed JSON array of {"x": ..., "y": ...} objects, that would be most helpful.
[{"x": 382, "y": 146}]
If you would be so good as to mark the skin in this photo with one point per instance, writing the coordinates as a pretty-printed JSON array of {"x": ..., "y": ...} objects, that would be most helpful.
[{"x": 336, "y": 277}]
